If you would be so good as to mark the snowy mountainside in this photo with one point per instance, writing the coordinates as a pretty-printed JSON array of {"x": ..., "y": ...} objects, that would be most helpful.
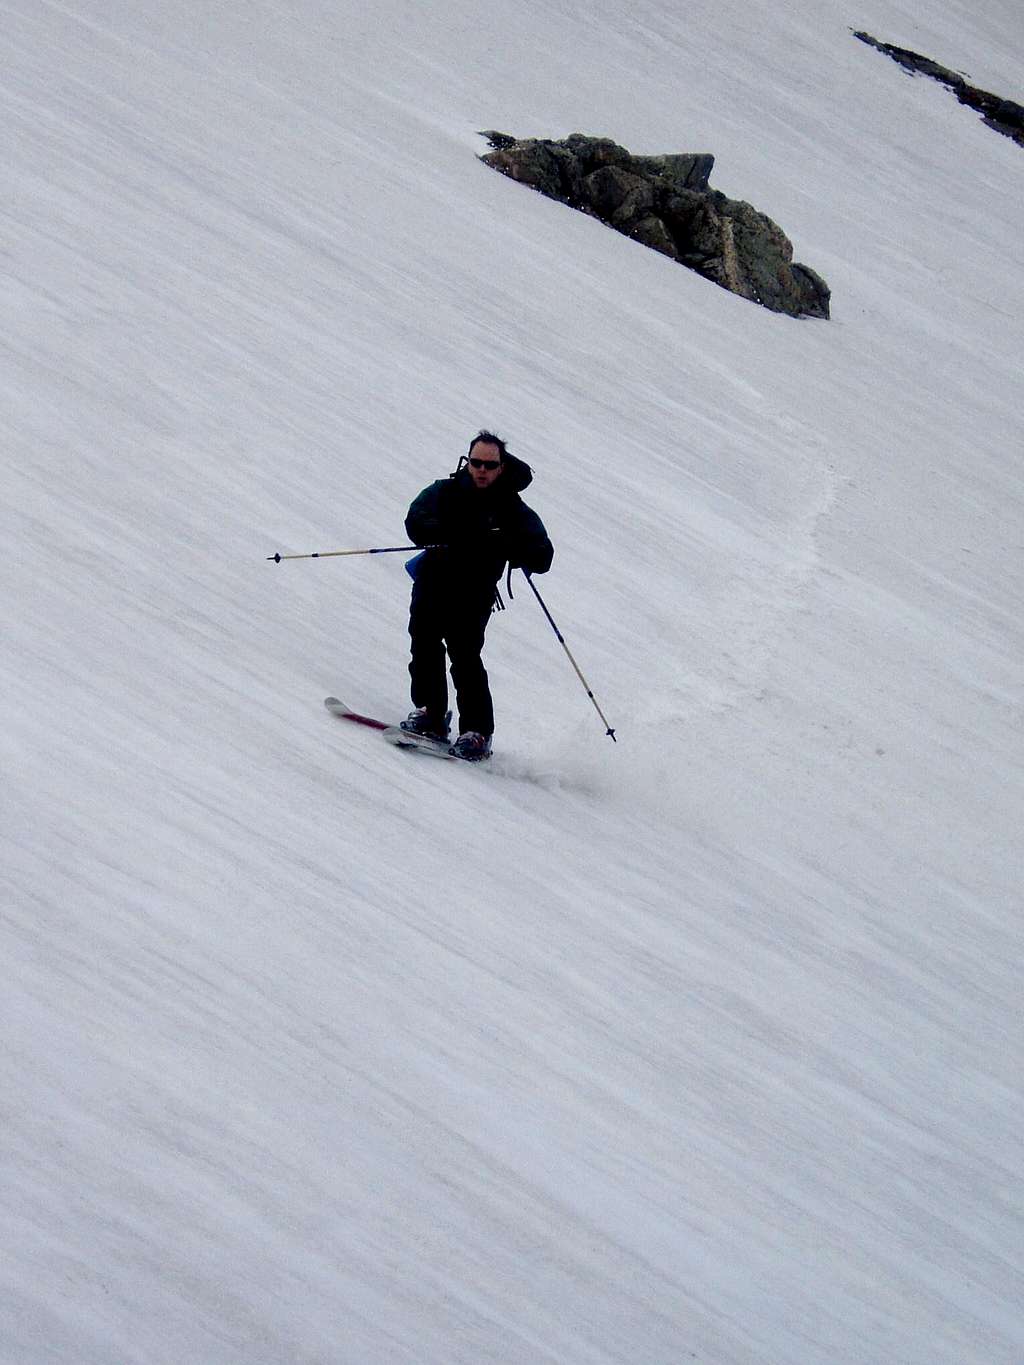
[{"x": 705, "y": 1045}]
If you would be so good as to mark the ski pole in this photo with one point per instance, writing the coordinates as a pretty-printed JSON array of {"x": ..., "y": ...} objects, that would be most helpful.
[
  {"x": 543, "y": 606},
  {"x": 379, "y": 550}
]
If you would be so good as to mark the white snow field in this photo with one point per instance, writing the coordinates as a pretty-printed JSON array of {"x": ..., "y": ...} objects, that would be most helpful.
[{"x": 704, "y": 1046}]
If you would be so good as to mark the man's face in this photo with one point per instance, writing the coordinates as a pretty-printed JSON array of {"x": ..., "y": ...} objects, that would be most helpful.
[{"x": 484, "y": 463}]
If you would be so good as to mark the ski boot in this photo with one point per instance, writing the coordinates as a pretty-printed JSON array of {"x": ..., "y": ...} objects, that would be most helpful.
[
  {"x": 472, "y": 746},
  {"x": 422, "y": 722}
]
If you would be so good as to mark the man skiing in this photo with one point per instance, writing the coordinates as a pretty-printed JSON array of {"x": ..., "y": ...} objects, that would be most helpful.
[{"x": 479, "y": 522}]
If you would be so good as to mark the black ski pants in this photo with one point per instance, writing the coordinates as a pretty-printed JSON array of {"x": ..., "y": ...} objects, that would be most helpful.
[{"x": 441, "y": 621}]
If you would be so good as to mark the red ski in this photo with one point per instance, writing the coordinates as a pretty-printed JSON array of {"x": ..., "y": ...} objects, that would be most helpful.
[
  {"x": 338, "y": 708},
  {"x": 394, "y": 734}
]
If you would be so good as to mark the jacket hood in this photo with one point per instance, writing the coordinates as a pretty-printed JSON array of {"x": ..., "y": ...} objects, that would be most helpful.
[{"x": 519, "y": 474}]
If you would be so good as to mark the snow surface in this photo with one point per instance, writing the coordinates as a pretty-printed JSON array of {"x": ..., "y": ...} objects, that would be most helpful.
[{"x": 702, "y": 1046}]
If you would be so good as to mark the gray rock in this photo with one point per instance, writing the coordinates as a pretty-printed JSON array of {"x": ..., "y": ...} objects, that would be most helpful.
[
  {"x": 666, "y": 203},
  {"x": 652, "y": 232},
  {"x": 1005, "y": 116},
  {"x": 687, "y": 170},
  {"x": 617, "y": 196}
]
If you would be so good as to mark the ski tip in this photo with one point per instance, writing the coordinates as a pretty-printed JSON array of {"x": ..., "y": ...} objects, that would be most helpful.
[{"x": 345, "y": 712}]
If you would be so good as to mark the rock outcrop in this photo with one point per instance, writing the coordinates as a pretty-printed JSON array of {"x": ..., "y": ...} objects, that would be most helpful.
[
  {"x": 1005, "y": 116},
  {"x": 665, "y": 202}
]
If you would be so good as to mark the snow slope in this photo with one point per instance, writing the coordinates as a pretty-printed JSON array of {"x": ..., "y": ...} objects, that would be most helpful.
[{"x": 702, "y": 1046}]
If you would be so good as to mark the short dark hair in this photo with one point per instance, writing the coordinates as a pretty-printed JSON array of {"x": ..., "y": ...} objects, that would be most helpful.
[{"x": 491, "y": 440}]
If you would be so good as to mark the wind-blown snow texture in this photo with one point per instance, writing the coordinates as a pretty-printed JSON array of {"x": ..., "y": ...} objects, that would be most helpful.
[{"x": 702, "y": 1046}]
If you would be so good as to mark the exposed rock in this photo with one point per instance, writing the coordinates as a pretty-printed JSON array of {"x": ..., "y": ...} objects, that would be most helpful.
[
  {"x": 1005, "y": 116},
  {"x": 665, "y": 202}
]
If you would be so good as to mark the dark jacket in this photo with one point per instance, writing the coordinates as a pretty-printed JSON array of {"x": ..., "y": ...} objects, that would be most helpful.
[{"x": 483, "y": 529}]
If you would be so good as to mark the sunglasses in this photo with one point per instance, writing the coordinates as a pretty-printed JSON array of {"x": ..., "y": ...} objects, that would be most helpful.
[{"x": 483, "y": 464}]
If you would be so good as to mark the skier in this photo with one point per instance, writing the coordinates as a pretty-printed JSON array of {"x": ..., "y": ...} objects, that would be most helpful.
[{"x": 478, "y": 518}]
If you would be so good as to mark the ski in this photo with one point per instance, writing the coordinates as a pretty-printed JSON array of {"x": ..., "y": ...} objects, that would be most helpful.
[
  {"x": 338, "y": 708},
  {"x": 404, "y": 739},
  {"x": 394, "y": 734}
]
